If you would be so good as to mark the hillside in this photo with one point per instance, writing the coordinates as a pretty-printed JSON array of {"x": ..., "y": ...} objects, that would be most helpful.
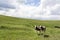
[{"x": 23, "y": 29}]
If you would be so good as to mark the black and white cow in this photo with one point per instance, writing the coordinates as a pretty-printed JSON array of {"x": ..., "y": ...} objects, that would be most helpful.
[{"x": 40, "y": 28}]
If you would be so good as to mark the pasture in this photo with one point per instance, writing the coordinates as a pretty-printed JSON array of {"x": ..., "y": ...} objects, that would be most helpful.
[{"x": 23, "y": 29}]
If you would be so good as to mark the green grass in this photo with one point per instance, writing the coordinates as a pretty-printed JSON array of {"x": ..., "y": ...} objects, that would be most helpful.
[{"x": 23, "y": 29}]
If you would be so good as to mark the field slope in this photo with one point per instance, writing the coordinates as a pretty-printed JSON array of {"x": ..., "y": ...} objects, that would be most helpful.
[{"x": 23, "y": 29}]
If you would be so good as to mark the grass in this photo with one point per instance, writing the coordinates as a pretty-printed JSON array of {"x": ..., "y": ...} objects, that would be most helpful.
[{"x": 23, "y": 29}]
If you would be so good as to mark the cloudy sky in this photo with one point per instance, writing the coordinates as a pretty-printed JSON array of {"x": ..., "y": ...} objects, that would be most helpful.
[{"x": 34, "y": 9}]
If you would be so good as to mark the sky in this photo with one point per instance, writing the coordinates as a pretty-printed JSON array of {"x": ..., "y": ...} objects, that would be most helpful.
[{"x": 33, "y": 9}]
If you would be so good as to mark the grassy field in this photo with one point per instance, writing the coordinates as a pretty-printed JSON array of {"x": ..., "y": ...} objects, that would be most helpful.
[{"x": 23, "y": 29}]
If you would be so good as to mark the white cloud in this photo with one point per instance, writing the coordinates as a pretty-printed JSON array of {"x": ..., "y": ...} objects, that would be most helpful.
[{"x": 48, "y": 9}]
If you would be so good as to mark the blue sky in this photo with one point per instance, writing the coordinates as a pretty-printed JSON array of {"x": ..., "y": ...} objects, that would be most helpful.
[
  {"x": 34, "y": 2},
  {"x": 34, "y": 9}
]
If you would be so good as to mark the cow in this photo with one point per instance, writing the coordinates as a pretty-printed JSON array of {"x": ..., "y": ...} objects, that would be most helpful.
[{"x": 40, "y": 28}]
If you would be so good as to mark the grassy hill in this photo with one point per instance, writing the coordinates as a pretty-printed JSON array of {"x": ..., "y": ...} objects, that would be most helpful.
[{"x": 23, "y": 29}]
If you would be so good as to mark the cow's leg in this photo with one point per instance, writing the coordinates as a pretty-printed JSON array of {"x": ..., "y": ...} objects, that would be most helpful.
[
  {"x": 37, "y": 32},
  {"x": 43, "y": 31}
]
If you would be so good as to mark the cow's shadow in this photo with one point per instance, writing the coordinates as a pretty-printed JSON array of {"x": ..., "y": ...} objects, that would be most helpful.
[{"x": 40, "y": 34}]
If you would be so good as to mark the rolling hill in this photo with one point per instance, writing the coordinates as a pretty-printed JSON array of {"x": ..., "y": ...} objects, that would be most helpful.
[{"x": 12, "y": 28}]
